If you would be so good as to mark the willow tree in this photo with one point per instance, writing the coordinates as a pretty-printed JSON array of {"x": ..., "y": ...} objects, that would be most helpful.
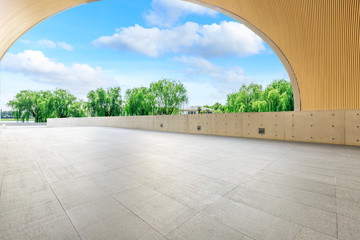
[{"x": 169, "y": 96}]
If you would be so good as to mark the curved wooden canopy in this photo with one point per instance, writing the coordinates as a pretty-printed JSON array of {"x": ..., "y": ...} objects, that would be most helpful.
[{"x": 318, "y": 41}]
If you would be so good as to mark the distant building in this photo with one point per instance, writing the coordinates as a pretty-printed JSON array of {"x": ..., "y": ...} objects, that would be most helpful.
[{"x": 196, "y": 110}]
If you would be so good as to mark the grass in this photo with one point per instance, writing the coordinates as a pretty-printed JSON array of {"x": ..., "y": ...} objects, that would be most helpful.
[{"x": 13, "y": 119}]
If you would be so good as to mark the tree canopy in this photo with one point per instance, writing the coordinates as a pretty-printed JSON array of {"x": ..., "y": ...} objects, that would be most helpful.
[
  {"x": 42, "y": 105},
  {"x": 169, "y": 96},
  {"x": 162, "y": 97},
  {"x": 139, "y": 101},
  {"x": 277, "y": 96},
  {"x": 104, "y": 103}
]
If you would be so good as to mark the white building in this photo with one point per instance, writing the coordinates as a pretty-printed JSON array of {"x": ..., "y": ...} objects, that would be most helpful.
[{"x": 196, "y": 109}]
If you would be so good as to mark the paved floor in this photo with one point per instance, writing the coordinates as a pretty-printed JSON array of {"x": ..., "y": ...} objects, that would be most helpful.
[{"x": 104, "y": 183}]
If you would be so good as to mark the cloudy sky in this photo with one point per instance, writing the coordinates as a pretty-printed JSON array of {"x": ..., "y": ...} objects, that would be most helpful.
[{"x": 132, "y": 43}]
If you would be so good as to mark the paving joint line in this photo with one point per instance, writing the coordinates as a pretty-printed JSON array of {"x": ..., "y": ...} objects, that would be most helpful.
[{"x": 58, "y": 200}]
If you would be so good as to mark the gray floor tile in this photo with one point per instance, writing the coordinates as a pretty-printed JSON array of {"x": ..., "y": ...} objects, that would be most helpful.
[
  {"x": 251, "y": 222},
  {"x": 75, "y": 192},
  {"x": 136, "y": 195},
  {"x": 121, "y": 225},
  {"x": 27, "y": 181},
  {"x": 349, "y": 229},
  {"x": 348, "y": 184},
  {"x": 13, "y": 200},
  {"x": 312, "y": 199},
  {"x": 196, "y": 193},
  {"x": 163, "y": 213},
  {"x": 94, "y": 212},
  {"x": 309, "y": 234},
  {"x": 296, "y": 182},
  {"x": 113, "y": 182},
  {"x": 19, "y": 220},
  {"x": 348, "y": 208},
  {"x": 202, "y": 227},
  {"x": 314, "y": 218},
  {"x": 133, "y": 184},
  {"x": 348, "y": 194}
]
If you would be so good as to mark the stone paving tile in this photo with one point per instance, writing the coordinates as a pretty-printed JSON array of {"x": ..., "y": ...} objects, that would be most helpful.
[
  {"x": 76, "y": 192},
  {"x": 296, "y": 182},
  {"x": 24, "y": 219},
  {"x": 13, "y": 167},
  {"x": 348, "y": 194},
  {"x": 107, "y": 183},
  {"x": 202, "y": 227},
  {"x": 25, "y": 181},
  {"x": 348, "y": 208},
  {"x": 94, "y": 212},
  {"x": 309, "y": 234},
  {"x": 13, "y": 200},
  {"x": 190, "y": 195},
  {"x": 312, "y": 199},
  {"x": 349, "y": 229},
  {"x": 112, "y": 181},
  {"x": 136, "y": 195},
  {"x": 58, "y": 229},
  {"x": 251, "y": 222},
  {"x": 121, "y": 226},
  {"x": 316, "y": 177},
  {"x": 343, "y": 183},
  {"x": 314, "y": 218},
  {"x": 163, "y": 213}
]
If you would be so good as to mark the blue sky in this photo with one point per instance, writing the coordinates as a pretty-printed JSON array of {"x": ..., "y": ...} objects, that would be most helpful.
[{"x": 133, "y": 43}]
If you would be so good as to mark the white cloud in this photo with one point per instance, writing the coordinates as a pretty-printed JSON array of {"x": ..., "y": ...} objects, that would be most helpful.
[
  {"x": 40, "y": 68},
  {"x": 224, "y": 39},
  {"x": 216, "y": 82},
  {"x": 46, "y": 43},
  {"x": 224, "y": 76},
  {"x": 65, "y": 46},
  {"x": 165, "y": 13},
  {"x": 151, "y": 41}
]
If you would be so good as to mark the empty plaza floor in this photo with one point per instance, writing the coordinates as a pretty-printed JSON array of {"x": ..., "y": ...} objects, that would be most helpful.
[{"x": 108, "y": 183}]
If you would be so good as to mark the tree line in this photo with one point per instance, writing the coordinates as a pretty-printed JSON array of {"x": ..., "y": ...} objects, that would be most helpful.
[
  {"x": 276, "y": 97},
  {"x": 164, "y": 97},
  {"x": 161, "y": 97}
]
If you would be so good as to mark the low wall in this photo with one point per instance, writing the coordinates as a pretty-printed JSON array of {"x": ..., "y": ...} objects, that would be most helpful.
[{"x": 334, "y": 127}]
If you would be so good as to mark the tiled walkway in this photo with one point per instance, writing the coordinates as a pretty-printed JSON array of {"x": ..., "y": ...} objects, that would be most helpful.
[{"x": 106, "y": 183}]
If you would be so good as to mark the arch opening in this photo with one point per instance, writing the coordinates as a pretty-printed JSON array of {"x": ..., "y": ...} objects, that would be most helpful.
[{"x": 65, "y": 5}]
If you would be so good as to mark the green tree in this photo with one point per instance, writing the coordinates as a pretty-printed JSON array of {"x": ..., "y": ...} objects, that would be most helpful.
[
  {"x": 218, "y": 108},
  {"x": 103, "y": 103},
  {"x": 39, "y": 105},
  {"x": 278, "y": 96},
  {"x": 139, "y": 101},
  {"x": 114, "y": 102},
  {"x": 169, "y": 96},
  {"x": 242, "y": 101},
  {"x": 63, "y": 103},
  {"x": 77, "y": 109}
]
